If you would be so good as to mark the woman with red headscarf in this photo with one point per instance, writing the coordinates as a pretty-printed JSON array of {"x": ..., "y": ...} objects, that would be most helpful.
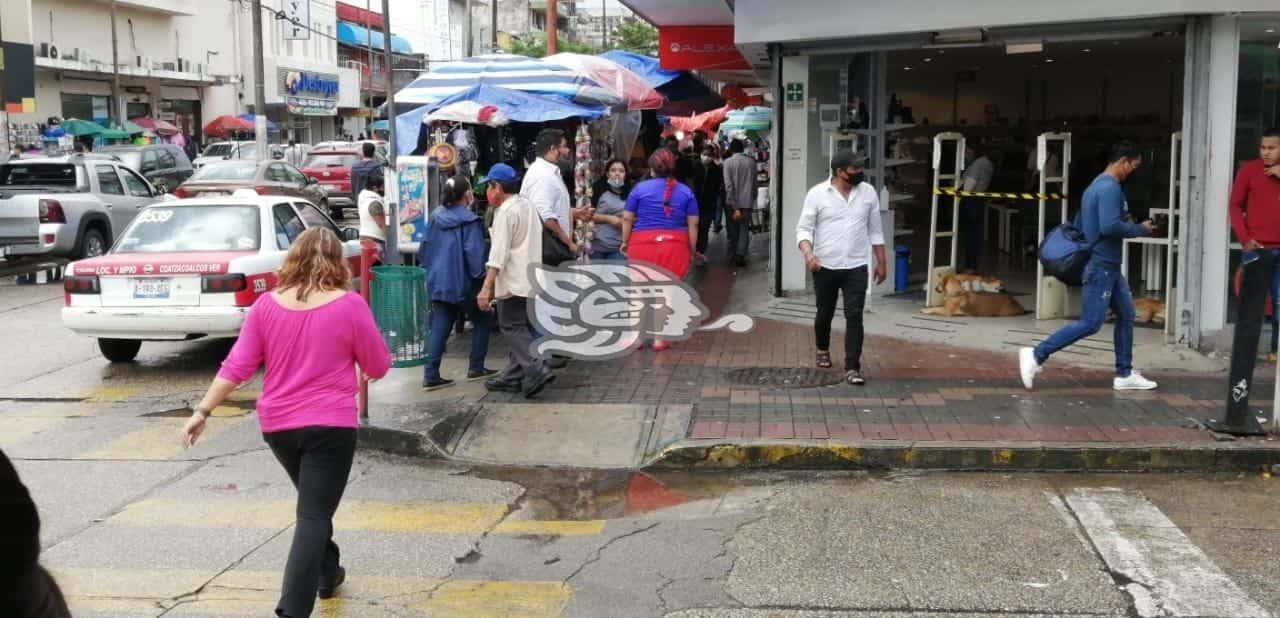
[{"x": 660, "y": 224}]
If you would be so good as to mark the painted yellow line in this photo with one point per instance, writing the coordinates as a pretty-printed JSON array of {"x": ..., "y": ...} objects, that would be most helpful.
[
  {"x": 411, "y": 517},
  {"x": 157, "y": 440},
  {"x": 104, "y": 394},
  {"x": 15, "y": 429},
  {"x": 253, "y": 593}
]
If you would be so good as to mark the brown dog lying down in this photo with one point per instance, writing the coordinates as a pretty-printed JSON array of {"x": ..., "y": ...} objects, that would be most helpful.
[
  {"x": 1145, "y": 311},
  {"x": 978, "y": 305},
  {"x": 952, "y": 285}
]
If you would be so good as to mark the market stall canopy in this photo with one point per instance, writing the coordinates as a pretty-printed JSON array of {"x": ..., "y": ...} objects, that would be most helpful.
[
  {"x": 160, "y": 127},
  {"x": 748, "y": 119},
  {"x": 379, "y": 125},
  {"x": 506, "y": 71},
  {"x": 131, "y": 128},
  {"x": 633, "y": 89},
  {"x": 706, "y": 121},
  {"x": 271, "y": 126},
  {"x": 520, "y": 106},
  {"x": 77, "y": 127},
  {"x": 469, "y": 112},
  {"x": 222, "y": 125},
  {"x": 358, "y": 36},
  {"x": 645, "y": 67},
  {"x": 686, "y": 94},
  {"x": 113, "y": 134}
]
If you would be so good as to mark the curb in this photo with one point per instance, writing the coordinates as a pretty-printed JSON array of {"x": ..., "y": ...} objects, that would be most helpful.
[
  {"x": 397, "y": 442},
  {"x": 974, "y": 456}
]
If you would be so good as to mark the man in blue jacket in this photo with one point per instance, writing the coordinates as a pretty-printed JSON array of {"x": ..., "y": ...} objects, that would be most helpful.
[
  {"x": 1105, "y": 221},
  {"x": 453, "y": 253}
]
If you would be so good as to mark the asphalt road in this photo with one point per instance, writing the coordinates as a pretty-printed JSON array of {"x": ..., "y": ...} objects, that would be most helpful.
[{"x": 136, "y": 526}]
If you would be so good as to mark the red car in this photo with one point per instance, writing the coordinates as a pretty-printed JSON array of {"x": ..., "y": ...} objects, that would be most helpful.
[{"x": 332, "y": 169}]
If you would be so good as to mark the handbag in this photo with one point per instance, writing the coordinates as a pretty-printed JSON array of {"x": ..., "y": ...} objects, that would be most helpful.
[
  {"x": 554, "y": 251},
  {"x": 1065, "y": 252}
]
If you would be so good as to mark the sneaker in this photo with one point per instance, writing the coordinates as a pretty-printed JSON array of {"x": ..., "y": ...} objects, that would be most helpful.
[
  {"x": 472, "y": 376},
  {"x": 1028, "y": 367},
  {"x": 1135, "y": 382},
  {"x": 330, "y": 586},
  {"x": 854, "y": 377},
  {"x": 535, "y": 386},
  {"x": 502, "y": 386},
  {"x": 434, "y": 385}
]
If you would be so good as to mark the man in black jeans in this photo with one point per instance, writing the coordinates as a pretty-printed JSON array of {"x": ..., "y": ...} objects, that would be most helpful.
[{"x": 838, "y": 230}]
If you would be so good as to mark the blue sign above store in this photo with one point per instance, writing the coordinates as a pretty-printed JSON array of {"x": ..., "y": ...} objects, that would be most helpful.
[{"x": 301, "y": 82}]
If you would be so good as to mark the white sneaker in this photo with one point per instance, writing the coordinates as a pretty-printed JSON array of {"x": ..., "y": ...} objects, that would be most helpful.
[
  {"x": 1135, "y": 382},
  {"x": 1028, "y": 367}
]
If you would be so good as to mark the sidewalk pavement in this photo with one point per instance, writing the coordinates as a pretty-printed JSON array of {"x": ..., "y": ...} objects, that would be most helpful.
[{"x": 723, "y": 400}]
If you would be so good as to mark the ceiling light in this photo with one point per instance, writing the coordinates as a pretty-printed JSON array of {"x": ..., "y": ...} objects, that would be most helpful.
[
  {"x": 1087, "y": 50},
  {"x": 1048, "y": 59},
  {"x": 928, "y": 59},
  {"x": 1023, "y": 48},
  {"x": 906, "y": 68},
  {"x": 1270, "y": 30}
]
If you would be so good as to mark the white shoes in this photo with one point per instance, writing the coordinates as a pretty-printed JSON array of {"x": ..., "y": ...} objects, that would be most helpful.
[
  {"x": 1135, "y": 382},
  {"x": 1028, "y": 367}
]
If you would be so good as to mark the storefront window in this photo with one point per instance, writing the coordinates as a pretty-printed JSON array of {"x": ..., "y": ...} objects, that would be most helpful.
[
  {"x": 86, "y": 106},
  {"x": 1258, "y": 97}
]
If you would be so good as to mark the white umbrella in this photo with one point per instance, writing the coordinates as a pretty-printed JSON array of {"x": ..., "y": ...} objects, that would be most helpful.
[
  {"x": 506, "y": 71},
  {"x": 469, "y": 112}
]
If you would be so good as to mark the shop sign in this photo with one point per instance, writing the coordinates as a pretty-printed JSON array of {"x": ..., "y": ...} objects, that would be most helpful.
[
  {"x": 699, "y": 48},
  {"x": 795, "y": 95},
  {"x": 297, "y": 17},
  {"x": 310, "y": 94}
]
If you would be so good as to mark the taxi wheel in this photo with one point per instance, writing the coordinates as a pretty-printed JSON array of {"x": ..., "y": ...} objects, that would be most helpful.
[{"x": 119, "y": 350}]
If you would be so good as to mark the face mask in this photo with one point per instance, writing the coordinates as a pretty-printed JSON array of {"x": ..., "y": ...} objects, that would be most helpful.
[
  {"x": 615, "y": 183},
  {"x": 857, "y": 179}
]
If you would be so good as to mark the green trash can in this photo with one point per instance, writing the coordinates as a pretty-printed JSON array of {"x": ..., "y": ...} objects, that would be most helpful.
[{"x": 398, "y": 298}]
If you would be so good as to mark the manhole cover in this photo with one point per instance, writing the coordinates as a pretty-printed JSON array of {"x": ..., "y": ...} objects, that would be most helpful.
[{"x": 783, "y": 377}]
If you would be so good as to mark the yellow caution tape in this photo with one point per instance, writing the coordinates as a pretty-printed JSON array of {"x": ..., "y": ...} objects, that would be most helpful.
[{"x": 1005, "y": 196}]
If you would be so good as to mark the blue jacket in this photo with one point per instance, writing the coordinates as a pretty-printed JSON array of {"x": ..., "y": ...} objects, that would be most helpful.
[
  {"x": 1104, "y": 221},
  {"x": 361, "y": 171},
  {"x": 453, "y": 253}
]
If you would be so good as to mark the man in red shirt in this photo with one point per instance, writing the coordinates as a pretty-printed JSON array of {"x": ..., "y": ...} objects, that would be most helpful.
[{"x": 1255, "y": 219}]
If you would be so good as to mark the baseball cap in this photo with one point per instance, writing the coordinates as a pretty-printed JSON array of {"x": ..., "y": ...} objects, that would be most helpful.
[{"x": 500, "y": 172}]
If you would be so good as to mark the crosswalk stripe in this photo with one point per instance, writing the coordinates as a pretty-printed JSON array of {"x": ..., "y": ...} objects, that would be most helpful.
[
  {"x": 158, "y": 439},
  {"x": 248, "y": 593},
  {"x": 415, "y": 517},
  {"x": 1171, "y": 576},
  {"x": 105, "y": 394}
]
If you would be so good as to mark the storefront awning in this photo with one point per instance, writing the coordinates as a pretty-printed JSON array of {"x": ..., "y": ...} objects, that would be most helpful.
[{"x": 358, "y": 36}]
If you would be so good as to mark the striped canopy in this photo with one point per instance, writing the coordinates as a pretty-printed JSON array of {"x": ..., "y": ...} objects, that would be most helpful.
[
  {"x": 748, "y": 119},
  {"x": 507, "y": 71}
]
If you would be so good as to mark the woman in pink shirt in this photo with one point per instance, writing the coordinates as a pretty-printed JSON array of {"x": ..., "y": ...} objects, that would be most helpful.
[{"x": 311, "y": 334}]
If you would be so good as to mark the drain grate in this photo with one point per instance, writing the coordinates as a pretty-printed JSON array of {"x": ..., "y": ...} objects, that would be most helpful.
[{"x": 783, "y": 377}]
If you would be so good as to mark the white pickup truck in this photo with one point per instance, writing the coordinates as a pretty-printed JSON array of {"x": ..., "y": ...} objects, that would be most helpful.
[{"x": 67, "y": 207}]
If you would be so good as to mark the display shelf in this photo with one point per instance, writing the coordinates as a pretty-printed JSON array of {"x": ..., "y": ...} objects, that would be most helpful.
[{"x": 889, "y": 128}]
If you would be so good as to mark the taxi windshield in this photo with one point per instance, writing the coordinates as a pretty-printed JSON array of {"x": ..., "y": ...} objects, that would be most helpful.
[{"x": 187, "y": 229}]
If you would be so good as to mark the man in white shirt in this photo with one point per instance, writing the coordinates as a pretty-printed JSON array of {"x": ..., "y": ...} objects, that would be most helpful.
[
  {"x": 977, "y": 177},
  {"x": 838, "y": 230},
  {"x": 516, "y": 238},
  {"x": 544, "y": 187},
  {"x": 373, "y": 214}
]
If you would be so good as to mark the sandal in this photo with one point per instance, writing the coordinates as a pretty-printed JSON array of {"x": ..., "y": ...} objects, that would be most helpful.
[
  {"x": 824, "y": 360},
  {"x": 854, "y": 377}
]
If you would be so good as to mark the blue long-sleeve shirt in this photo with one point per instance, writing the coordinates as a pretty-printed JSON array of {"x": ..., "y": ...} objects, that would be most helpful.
[{"x": 1104, "y": 221}]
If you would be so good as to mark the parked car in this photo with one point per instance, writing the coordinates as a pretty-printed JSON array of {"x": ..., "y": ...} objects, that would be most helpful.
[
  {"x": 332, "y": 169},
  {"x": 165, "y": 165},
  {"x": 380, "y": 146},
  {"x": 217, "y": 151},
  {"x": 188, "y": 269},
  {"x": 68, "y": 206},
  {"x": 263, "y": 177}
]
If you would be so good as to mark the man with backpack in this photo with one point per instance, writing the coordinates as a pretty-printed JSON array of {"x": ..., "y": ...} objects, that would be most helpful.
[{"x": 1105, "y": 222}]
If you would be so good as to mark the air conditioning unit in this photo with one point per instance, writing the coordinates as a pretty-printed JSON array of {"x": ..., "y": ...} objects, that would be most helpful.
[
  {"x": 74, "y": 54},
  {"x": 182, "y": 64},
  {"x": 169, "y": 66},
  {"x": 43, "y": 52},
  {"x": 86, "y": 57},
  {"x": 156, "y": 65}
]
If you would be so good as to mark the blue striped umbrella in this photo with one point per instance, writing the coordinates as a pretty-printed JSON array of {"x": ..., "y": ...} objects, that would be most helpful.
[
  {"x": 748, "y": 119},
  {"x": 507, "y": 71}
]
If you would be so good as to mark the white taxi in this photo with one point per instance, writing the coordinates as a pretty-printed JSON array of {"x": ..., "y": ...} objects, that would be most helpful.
[{"x": 187, "y": 269}]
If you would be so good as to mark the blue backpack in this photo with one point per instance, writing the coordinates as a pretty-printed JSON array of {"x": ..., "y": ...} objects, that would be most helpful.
[{"x": 1065, "y": 252}]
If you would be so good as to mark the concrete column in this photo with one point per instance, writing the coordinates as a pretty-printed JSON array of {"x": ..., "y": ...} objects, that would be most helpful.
[
  {"x": 1213, "y": 53},
  {"x": 793, "y": 156}
]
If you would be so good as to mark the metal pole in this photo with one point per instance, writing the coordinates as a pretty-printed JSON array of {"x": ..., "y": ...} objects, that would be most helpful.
[
  {"x": 553, "y": 19},
  {"x": 467, "y": 38},
  {"x": 493, "y": 28},
  {"x": 604, "y": 25},
  {"x": 259, "y": 86},
  {"x": 393, "y": 218},
  {"x": 368, "y": 52},
  {"x": 115, "y": 69}
]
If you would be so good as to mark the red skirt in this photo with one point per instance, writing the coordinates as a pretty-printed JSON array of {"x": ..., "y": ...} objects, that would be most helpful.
[{"x": 666, "y": 248}]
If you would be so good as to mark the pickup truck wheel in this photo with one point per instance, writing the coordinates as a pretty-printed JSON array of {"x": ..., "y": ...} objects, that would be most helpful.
[
  {"x": 119, "y": 350},
  {"x": 93, "y": 244}
]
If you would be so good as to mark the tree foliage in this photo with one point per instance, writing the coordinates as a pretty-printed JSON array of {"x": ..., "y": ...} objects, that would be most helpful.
[
  {"x": 536, "y": 47},
  {"x": 634, "y": 35}
]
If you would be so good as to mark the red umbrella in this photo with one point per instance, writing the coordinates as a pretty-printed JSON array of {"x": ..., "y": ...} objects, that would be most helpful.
[
  {"x": 155, "y": 124},
  {"x": 222, "y": 125}
]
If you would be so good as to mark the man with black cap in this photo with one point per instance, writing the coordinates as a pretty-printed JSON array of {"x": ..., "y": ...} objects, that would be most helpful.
[{"x": 26, "y": 589}]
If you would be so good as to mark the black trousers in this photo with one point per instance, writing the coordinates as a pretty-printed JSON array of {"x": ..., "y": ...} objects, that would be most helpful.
[
  {"x": 513, "y": 321},
  {"x": 1254, "y": 287},
  {"x": 852, "y": 284},
  {"x": 971, "y": 232},
  {"x": 318, "y": 461},
  {"x": 706, "y": 213}
]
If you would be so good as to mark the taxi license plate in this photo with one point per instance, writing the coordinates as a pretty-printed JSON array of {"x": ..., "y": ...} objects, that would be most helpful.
[
  {"x": 330, "y": 186},
  {"x": 213, "y": 193},
  {"x": 151, "y": 289}
]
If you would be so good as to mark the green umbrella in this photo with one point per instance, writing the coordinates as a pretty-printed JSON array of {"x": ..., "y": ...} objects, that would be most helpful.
[
  {"x": 131, "y": 128},
  {"x": 72, "y": 126},
  {"x": 113, "y": 134}
]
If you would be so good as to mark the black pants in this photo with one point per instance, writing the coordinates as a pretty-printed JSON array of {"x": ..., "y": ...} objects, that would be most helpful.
[
  {"x": 971, "y": 232},
  {"x": 513, "y": 321},
  {"x": 706, "y": 213},
  {"x": 1254, "y": 287},
  {"x": 318, "y": 461},
  {"x": 852, "y": 284}
]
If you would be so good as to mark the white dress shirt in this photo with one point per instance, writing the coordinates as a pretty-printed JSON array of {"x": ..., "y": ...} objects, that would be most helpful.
[
  {"x": 977, "y": 177},
  {"x": 544, "y": 187},
  {"x": 842, "y": 231}
]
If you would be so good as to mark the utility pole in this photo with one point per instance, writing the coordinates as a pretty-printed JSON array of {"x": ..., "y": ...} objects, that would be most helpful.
[
  {"x": 115, "y": 71},
  {"x": 259, "y": 87},
  {"x": 393, "y": 218},
  {"x": 604, "y": 25},
  {"x": 553, "y": 19},
  {"x": 493, "y": 28},
  {"x": 468, "y": 42}
]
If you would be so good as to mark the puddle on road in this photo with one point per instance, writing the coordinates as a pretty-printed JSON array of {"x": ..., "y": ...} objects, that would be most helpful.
[{"x": 582, "y": 495}]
